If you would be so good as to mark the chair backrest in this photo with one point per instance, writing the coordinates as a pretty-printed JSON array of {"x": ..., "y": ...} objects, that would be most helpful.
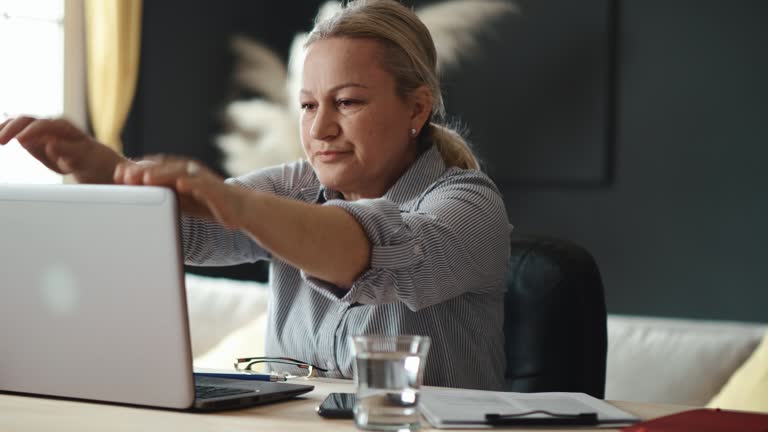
[{"x": 555, "y": 318}]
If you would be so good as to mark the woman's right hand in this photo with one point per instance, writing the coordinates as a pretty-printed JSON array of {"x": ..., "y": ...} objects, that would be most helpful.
[{"x": 63, "y": 148}]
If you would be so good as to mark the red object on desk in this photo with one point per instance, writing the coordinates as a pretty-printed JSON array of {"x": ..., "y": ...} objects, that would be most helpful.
[{"x": 704, "y": 420}]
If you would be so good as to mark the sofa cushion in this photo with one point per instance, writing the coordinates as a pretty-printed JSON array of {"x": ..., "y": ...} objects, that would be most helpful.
[
  {"x": 246, "y": 341},
  {"x": 748, "y": 388},
  {"x": 218, "y": 307},
  {"x": 678, "y": 361}
]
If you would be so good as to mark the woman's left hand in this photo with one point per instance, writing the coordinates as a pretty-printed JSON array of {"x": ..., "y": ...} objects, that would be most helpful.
[{"x": 201, "y": 192}]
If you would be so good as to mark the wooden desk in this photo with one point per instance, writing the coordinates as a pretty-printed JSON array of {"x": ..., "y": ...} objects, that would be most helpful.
[{"x": 19, "y": 413}]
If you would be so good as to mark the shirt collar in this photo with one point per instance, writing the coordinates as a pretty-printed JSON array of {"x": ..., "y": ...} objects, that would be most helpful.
[{"x": 424, "y": 171}]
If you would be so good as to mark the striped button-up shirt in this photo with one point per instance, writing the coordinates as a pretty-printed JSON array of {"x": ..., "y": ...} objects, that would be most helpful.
[{"x": 440, "y": 245}]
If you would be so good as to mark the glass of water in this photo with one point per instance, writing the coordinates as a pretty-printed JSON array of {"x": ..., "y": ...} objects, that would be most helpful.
[{"x": 388, "y": 373}]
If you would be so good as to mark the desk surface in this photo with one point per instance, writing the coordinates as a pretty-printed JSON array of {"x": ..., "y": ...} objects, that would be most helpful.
[{"x": 20, "y": 413}]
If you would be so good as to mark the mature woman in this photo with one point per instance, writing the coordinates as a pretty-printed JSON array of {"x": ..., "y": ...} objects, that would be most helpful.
[{"x": 388, "y": 227}]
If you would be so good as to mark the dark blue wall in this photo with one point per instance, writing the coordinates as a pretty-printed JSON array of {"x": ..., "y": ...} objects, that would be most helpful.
[{"x": 681, "y": 231}]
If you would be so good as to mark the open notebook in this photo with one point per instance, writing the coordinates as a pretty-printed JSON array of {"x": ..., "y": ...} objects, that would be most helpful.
[{"x": 453, "y": 408}]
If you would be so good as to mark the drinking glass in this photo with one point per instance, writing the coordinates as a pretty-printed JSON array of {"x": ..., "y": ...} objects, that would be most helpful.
[{"x": 388, "y": 374}]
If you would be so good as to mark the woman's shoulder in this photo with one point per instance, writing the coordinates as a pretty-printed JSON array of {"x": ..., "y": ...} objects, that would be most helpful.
[
  {"x": 474, "y": 178},
  {"x": 469, "y": 187}
]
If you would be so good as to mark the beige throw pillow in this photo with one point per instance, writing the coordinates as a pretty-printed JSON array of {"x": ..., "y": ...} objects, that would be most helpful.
[{"x": 747, "y": 388}]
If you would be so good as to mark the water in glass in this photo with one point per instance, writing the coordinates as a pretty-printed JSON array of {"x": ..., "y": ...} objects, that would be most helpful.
[{"x": 387, "y": 394}]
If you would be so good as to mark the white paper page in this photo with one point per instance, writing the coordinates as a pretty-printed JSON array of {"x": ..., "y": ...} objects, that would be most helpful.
[{"x": 469, "y": 407}]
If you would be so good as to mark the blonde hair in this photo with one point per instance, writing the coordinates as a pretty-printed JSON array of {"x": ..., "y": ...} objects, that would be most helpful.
[{"x": 409, "y": 55}]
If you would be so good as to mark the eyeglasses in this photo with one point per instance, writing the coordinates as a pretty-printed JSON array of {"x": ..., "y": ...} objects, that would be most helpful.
[{"x": 254, "y": 363}]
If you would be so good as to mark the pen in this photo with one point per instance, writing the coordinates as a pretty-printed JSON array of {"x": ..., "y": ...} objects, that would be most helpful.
[
  {"x": 583, "y": 419},
  {"x": 242, "y": 376}
]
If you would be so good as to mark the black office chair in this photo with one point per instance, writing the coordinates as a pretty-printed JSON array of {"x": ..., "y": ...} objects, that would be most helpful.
[{"x": 555, "y": 319}]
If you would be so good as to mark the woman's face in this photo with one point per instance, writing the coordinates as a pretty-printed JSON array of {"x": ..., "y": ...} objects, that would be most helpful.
[{"x": 355, "y": 130}]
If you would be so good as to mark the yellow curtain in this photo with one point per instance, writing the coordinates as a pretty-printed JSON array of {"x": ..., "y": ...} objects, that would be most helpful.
[{"x": 113, "y": 36}]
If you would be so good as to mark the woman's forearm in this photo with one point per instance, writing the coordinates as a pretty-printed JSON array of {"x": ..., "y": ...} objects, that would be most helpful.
[{"x": 324, "y": 241}]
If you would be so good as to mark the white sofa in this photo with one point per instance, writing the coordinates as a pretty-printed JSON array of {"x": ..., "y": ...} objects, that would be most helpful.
[{"x": 679, "y": 361}]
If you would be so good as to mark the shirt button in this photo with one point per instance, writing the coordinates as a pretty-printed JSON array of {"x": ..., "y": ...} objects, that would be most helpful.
[{"x": 417, "y": 250}]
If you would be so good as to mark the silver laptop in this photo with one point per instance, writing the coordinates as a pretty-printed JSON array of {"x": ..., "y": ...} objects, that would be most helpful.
[{"x": 92, "y": 301}]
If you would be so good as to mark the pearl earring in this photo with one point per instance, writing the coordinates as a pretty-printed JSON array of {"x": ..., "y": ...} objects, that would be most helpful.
[{"x": 413, "y": 132}]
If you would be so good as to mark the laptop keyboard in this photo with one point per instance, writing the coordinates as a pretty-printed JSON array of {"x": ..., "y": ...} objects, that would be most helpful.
[{"x": 208, "y": 392}]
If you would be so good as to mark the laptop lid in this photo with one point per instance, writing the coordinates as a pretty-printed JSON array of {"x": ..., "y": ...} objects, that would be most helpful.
[{"x": 92, "y": 301}]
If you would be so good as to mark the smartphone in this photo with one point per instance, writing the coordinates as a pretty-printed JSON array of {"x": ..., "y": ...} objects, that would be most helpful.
[{"x": 337, "y": 405}]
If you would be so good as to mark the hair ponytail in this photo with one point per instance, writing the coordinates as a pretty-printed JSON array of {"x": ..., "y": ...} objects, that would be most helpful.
[{"x": 452, "y": 146}]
